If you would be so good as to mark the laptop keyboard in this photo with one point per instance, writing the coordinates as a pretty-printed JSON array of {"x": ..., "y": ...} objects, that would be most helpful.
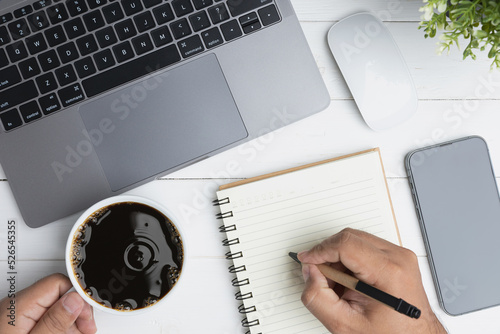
[{"x": 54, "y": 53}]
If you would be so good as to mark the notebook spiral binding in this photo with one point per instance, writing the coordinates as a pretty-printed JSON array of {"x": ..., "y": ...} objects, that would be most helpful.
[
  {"x": 240, "y": 296},
  {"x": 219, "y": 202},
  {"x": 242, "y": 282},
  {"x": 224, "y": 215},
  {"x": 233, "y": 269},
  {"x": 246, "y": 323},
  {"x": 224, "y": 229},
  {"x": 227, "y": 242},
  {"x": 231, "y": 256},
  {"x": 243, "y": 310}
]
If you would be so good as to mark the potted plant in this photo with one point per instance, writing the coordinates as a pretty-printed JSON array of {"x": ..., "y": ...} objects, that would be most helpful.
[{"x": 477, "y": 21}]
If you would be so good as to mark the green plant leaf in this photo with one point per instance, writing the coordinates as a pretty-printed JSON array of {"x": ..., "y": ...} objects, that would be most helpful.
[{"x": 475, "y": 20}]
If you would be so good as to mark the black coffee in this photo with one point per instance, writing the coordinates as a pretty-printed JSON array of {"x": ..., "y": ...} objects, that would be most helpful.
[{"x": 127, "y": 256}]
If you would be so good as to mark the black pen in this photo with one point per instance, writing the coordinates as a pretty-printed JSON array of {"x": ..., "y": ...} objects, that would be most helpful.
[{"x": 354, "y": 284}]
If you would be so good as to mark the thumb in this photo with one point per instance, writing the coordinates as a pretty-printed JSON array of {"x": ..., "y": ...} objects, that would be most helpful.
[{"x": 61, "y": 316}]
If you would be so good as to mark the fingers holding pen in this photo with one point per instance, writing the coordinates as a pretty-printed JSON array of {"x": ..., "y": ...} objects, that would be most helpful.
[
  {"x": 375, "y": 262},
  {"x": 362, "y": 257}
]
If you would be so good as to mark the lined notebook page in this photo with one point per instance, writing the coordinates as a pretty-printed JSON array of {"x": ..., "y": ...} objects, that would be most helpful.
[{"x": 293, "y": 212}]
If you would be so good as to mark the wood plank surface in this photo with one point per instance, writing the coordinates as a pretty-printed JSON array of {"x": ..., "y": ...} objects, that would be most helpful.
[{"x": 456, "y": 98}]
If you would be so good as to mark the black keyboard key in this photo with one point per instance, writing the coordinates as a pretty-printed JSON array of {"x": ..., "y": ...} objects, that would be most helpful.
[
  {"x": 67, "y": 52},
  {"x": 9, "y": 77},
  {"x": 269, "y": 15},
  {"x": 29, "y": 68},
  {"x": 16, "y": 51},
  {"x": 212, "y": 38},
  {"x": 36, "y": 43},
  {"x": 151, "y": 3},
  {"x": 191, "y": 46},
  {"x": 199, "y": 4},
  {"x": 23, "y": 11},
  {"x": 19, "y": 29},
  {"x": 87, "y": 45},
  {"x": 93, "y": 20},
  {"x": 142, "y": 44},
  {"x": 104, "y": 59},
  {"x": 55, "y": 36},
  {"x": 46, "y": 83},
  {"x": 57, "y": 13},
  {"x": 125, "y": 29},
  {"x": 231, "y": 30},
  {"x": 76, "y": 7},
  {"x": 249, "y": 19},
  {"x": 113, "y": 12},
  {"x": 180, "y": 28},
  {"x": 85, "y": 67},
  {"x": 106, "y": 37},
  {"x": 199, "y": 21},
  {"x": 132, "y": 7},
  {"x": 144, "y": 21},
  {"x": 218, "y": 13},
  {"x": 132, "y": 70},
  {"x": 48, "y": 60},
  {"x": 49, "y": 103},
  {"x": 13, "y": 96},
  {"x": 38, "y": 21},
  {"x": 96, "y": 3},
  {"x": 241, "y": 7},
  {"x": 163, "y": 14},
  {"x": 161, "y": 36},
  {"x": 66, "y": 75},
  {"x": 42, "y": 4},
  {"x": 30, "y": 111},
  {"x": 6, "y": 17},
  {"x": 123, "y": 52},
  {"x": 71, "y": 95},
  {"x": 4, "y": 61},
  {"x": 11, "y": 119},
  {"x": 4, "y": 36},
  {"x": 182, "y": 7},
  {"x": 74, "y": 28},
  {"x": 250, "y": 22}
]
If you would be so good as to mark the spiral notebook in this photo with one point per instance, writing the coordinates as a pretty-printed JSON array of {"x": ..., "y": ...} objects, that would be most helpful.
[{"x": 266, "y": 217}]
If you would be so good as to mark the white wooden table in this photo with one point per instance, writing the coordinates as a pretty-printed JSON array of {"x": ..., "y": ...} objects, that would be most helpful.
[{"x": 457, "y": 98}]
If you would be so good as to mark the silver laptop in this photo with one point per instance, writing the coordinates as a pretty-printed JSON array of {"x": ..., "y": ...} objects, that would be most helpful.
[{"x": 100, "y": 96}]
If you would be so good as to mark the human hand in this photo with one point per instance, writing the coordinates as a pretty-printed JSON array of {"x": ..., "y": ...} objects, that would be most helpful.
[
  {"x": 44, "y": 309},
  {"x": 377, "y": 262}
]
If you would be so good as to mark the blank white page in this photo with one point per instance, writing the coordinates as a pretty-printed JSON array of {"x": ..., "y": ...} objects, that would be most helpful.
[{"x": 292, "y": 212}]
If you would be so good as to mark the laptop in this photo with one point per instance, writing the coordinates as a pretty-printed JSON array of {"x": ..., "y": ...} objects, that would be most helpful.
[{"x": 100, "y": 96}]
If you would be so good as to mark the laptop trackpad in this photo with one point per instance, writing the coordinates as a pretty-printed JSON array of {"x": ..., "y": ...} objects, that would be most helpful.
[{"x": 163, "y": 122}]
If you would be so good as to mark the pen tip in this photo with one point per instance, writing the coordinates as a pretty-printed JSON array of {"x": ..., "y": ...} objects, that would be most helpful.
[{"x": 294, "y": 257}]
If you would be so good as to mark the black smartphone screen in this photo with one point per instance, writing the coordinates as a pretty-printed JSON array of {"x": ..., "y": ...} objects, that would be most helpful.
[{"x": 457, "y": 201}]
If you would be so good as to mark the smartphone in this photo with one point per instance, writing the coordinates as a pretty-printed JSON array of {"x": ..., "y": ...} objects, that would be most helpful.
[{"x": 458, "y": 207}]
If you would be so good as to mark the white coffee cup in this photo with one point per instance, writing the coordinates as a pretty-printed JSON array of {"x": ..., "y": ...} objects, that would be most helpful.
[{"x": 106, "y": 203}]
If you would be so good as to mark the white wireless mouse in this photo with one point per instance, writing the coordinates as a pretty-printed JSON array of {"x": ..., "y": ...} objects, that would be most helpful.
[{"x": 374, "y": 70}]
